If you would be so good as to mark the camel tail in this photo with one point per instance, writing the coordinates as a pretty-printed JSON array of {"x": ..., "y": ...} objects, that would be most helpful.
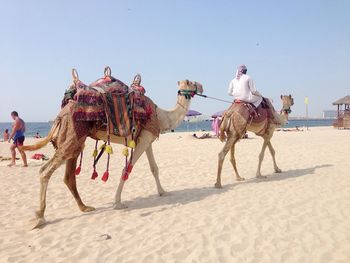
[{"x": 45, "y": 141}]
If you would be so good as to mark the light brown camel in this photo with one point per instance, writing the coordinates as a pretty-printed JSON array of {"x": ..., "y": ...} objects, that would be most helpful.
[
  {"x": 68, "y": 147},
  {"x": 234, "y": 126}
]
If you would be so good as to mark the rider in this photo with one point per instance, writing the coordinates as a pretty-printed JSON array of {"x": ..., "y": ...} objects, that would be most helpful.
[{"x": 242, "y": 88}]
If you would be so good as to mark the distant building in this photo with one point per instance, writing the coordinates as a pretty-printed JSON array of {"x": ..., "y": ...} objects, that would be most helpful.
[{"x": 327, "y": 114}]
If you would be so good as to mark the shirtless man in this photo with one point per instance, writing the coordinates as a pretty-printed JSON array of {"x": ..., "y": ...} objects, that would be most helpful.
[{"x": 17, "y": 134}]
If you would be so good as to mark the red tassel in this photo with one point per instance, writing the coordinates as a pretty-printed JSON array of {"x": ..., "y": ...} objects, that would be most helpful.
[
  {"x": 77, "y": 171},
  {"x": 126, "y": 173},
  {"x": 94, "y": 175},
  {"x": 105, "y": 176}
]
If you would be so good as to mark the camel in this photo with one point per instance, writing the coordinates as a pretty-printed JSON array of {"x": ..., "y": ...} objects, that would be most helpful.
[
  {"x": 234, "y": 126},
  {"x": 68, "y": 150}
]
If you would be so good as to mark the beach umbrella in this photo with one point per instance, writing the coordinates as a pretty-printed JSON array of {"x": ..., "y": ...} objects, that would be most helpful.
[
  {"x": 191, "y": 113},
  {"x": 218, "y": 114}
]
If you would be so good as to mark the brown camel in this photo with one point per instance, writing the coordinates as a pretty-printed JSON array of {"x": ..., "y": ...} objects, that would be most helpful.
[
  {"x": 234, "y": 126},
  {"x": 68, "y": 147}
]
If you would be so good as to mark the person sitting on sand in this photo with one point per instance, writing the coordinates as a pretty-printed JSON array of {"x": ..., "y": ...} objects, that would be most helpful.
[
  {"x": 203, "y": 136},
  {"x": 17, "y": 134},
  {"x": 37, "y": 135},
  {"x": 6, "y": 135}
]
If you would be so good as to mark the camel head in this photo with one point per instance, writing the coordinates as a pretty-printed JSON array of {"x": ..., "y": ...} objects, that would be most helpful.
[
  {"x": 287, "y": 103},
  {"x": 189, "y": 88}
]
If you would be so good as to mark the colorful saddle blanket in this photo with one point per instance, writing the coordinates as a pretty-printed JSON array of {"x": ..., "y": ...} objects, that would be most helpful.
[
  {"x": 110, "y": 100},
  {"x": 258, "y": 117}
]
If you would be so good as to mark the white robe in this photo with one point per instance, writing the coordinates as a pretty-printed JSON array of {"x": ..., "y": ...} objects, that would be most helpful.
[{"x": 244, "y": 90}]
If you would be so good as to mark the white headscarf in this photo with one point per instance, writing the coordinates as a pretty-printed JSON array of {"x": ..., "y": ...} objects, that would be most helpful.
[{"x": 240, "y": 70}]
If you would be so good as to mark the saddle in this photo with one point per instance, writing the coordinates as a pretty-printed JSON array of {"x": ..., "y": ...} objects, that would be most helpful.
[
  {"x": 112, "y": 105},
  {"x": 254, "y": 116}
]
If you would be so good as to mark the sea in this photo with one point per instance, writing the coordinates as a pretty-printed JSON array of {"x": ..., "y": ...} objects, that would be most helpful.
[{"x": 43, "y": 128}]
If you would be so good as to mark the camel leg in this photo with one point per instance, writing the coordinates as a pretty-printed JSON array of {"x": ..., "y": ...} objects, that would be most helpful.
[
  {"x": 154, "y": 169},
  {"x": 233, "y": 162},
  {"x": 70, "y": 181},
  {"x": 45, "y": 173},
  {"x": 221, "y": 156},
  {"x": 144, "y": 141},
  {"x": 261, "y": 158},
  {"x": 272, "y": 151}
]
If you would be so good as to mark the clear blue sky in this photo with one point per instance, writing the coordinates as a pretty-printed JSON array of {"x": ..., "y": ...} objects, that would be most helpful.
[{"x": 290, "y": 47}]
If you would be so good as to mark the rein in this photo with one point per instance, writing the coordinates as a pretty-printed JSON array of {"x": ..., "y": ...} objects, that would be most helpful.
[
  {"x": 213, "y": 98},
  {"x": 188, "y": 94}
]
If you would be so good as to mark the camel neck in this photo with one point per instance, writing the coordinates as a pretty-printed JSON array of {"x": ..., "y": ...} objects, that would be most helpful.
[
  {"x": 284, "y": 117},
  {"x": 170, "y": 119}
]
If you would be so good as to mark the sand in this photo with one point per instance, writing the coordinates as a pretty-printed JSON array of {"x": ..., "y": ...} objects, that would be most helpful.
[{"x": 300, "y": 215}]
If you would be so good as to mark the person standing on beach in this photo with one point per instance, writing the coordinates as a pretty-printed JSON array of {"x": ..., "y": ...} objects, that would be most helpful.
[
  {"x": 17, "y": 134},
  {"x": 242, "y": 88}
]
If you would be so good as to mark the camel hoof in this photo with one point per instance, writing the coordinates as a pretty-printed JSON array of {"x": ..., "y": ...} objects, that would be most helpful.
[
  {"x": 240, "y": 179},
  {"x": 261, "y": 176},
  {"x": 119, "y": 206},
  {"x": 38, "y": 222},
  {"x": 163, "y": 193},
  {"x": 87, "y": 209},
  {"x": 278, "y": 170},
  {"x": 218, "y": 186}
]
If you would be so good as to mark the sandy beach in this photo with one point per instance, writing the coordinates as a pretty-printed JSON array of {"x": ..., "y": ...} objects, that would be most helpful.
[{"x": 300, "y": 215}]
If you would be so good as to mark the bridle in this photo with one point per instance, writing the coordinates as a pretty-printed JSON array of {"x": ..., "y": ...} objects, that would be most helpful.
[
  {"x": 188, "y": 94},
  {"x": 286, "y": 110}
]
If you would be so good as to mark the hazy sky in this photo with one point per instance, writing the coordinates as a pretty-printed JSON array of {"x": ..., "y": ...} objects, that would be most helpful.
[{"x": 290, "y": 47}]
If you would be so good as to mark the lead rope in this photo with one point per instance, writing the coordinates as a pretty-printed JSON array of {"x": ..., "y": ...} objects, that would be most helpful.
[{"x": 213, "y": 98}]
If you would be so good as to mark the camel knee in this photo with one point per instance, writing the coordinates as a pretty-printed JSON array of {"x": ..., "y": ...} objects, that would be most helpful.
[
  {"x": 44, "y": 178},
  {"x": 155, "y": 171},
  {"x": 261, "y": 156},
  {"x": 221, "y": 156}
]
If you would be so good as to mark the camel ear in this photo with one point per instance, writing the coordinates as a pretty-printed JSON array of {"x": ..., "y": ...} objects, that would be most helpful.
[
  {"x": 281, "y": 97},
  {"x": 290, "y": 96},
  {"x": 178, "y": 83}
]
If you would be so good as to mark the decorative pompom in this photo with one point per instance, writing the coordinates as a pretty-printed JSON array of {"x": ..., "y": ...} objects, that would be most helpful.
[
  {"x": 105, "y": 176},
  {"x": 125, "y": 151},
  {"x": 94, "y": 175},
  {"x": 132, "y": 144},
  {"x": 126, "y": 172},
  {"x": 109, "y": 149},
  {"x": 125, "y": 176},
  {"x": 77, "y": 171},
  {"x": 94, "y": 154}
]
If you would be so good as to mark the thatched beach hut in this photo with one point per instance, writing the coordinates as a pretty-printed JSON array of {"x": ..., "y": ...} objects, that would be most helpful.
[{"x": 343, "y": 116}]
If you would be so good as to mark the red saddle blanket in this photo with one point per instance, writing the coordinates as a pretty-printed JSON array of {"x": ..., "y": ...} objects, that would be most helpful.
[
  {"x": 257, "y": 118},
  {"x": 111, "y": 100}
]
